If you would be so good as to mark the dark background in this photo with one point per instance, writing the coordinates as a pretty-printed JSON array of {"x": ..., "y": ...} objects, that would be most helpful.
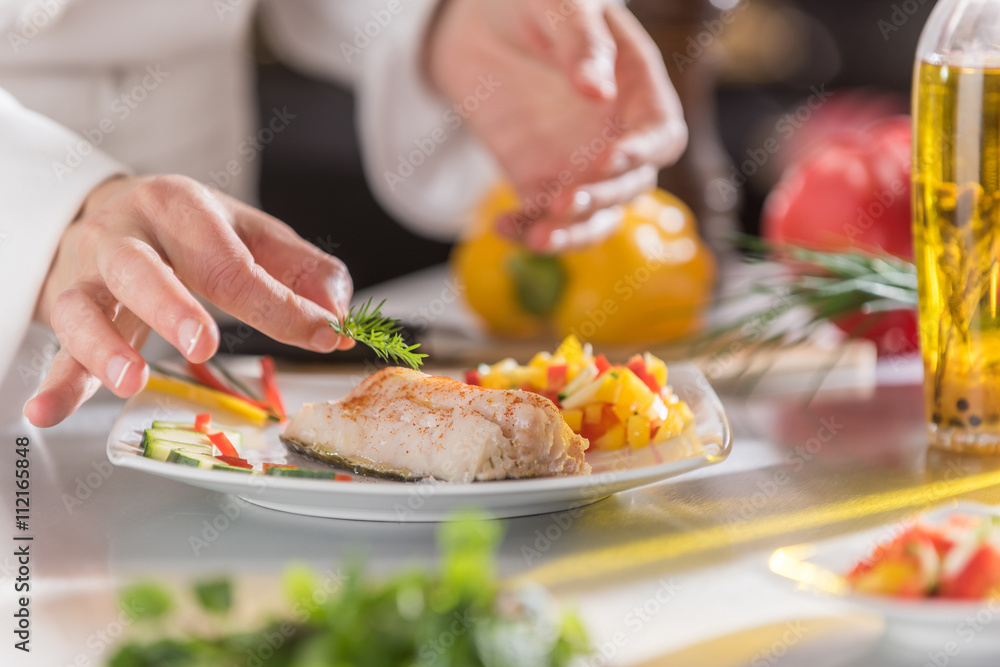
[{"x": 312, "y": 176}]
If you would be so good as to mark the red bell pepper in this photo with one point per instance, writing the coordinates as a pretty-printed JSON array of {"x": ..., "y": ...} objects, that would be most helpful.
[
  {"x": 235, "y": 461},
  {"x": 203, "y": 422},
  {"x": 557, "y": 377},
  {"x": 202, "y": 373},
  {"x": 220, "y": 440},
  {"x": 270, "y": 385},
  {"x": 638, "y": 366},
  {"x": 602, "y": 363}
]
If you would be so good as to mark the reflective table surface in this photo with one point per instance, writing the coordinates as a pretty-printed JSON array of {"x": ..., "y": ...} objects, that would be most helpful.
[{"x": 674, "y": 573}]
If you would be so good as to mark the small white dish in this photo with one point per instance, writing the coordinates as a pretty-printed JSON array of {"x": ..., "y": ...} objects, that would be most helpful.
[
  {"x": 708, "y": 442},
  {"x": 937, "y": 631}
]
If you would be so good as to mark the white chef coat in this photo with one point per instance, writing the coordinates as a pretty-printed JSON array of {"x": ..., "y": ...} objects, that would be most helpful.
[{"x": 93, "y": 88}]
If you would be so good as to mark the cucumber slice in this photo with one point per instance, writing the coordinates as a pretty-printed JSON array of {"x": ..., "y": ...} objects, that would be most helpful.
[
  {"x": 201, "y": 461},
  {"x": 159, "y": 450},
  {"x": 300, "y": 472},
  {"x": 229, "y": 468},
  {"x": 192, "y": 437},
  {"x": 189, "y": 459},
  {"x": 189, "y": 426},
  {"x": 184, "y": 425}
]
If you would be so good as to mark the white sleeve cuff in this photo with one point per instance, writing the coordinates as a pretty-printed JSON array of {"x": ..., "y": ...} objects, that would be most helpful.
[
  {"x": 425, "y": 165},
  {"x": 46, "y": 171}
]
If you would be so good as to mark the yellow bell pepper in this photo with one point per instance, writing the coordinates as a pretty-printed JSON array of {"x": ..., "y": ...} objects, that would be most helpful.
[
  {"x": 672, "y": 426},
  {"x": 651, "y": 280},
  {"x": 610, "y": 389},
  {"x": 638, "y": 431},
  {"x": 208, "y": 398},
  {"x": 574, "y": 419},
  {"x": 615, "y": 438}
]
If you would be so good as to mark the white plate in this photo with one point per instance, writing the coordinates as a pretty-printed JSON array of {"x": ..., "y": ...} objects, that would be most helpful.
[
  {"x": 707, "y": 442},
  {"x": 950, "y": 630}
]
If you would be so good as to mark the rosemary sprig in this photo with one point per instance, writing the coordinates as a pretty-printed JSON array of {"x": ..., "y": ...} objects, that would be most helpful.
[
  {"x": 817, "y": 287},
  {"x": 369, "y": 326}
]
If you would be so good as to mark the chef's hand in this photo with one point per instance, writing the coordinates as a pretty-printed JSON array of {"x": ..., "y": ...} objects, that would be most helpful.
[
  {"x": 572, "y": 98},
  {"x": 134, "y": 257}
]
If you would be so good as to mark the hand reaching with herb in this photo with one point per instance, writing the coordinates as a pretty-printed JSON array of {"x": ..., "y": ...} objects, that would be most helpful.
[{"x": 134, "y": 258}]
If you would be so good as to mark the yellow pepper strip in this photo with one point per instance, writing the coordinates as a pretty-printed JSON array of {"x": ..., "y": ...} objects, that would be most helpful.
[{"x": 207, "y": 397}]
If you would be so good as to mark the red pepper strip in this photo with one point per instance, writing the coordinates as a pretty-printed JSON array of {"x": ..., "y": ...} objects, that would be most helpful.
[
  {"x": 235, "y": 461},
  {"x": 557, "y": 377},
  {"x": 602, "y": 363},
  {"x": 203, "y": 422},
  {"x": 638, "y": 366},
  {"x": 270, "y": 385},
  {"x": 340, "y": 477},
  {"x": 220, "y": 440},
  {"x": 204, "y": 374}
]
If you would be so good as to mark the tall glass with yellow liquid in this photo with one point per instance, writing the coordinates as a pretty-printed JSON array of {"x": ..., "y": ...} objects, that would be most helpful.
[{"x": 956, "y": 210}]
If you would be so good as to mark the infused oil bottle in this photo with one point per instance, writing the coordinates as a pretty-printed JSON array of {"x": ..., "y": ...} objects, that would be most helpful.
[{"x": 956, "y": 213}]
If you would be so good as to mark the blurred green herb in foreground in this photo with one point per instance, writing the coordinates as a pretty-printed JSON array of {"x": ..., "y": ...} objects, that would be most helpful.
[{"x": 458, "y": 617}]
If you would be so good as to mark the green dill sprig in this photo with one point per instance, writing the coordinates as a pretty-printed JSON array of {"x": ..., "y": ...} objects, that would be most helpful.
[{"x": 369, "y": 326}]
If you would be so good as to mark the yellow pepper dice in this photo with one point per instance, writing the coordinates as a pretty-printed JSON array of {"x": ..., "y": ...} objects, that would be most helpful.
[
  {"x": 615, "y": 438},
  {"x": 651, "y": 280},
  {"x": 657, "y": 367},
  {"x": 672, "y": 426},
  {"x": 574, "y": 418},
  {"x": 638, "y": 431},
  {"x": 610, "y": 390},
  {"x": 592, "y": 413}
]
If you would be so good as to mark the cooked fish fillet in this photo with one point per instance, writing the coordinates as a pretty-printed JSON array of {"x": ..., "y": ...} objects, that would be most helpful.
[{"x": 401, "y": 422}]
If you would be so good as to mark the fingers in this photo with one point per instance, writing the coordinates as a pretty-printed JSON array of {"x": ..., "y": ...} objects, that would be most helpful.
[
  {"x": 571, "y": 226},
  {"x": 582, "y": 45},
  {"x": 137, "y": 276},
  {"x": 591, "y": 197},
  {"x": 554, "y": 235},
  {"x": 69, "y": 383},
  {"x": 82, "y": 321},
  {"x": 211, "y": 259},
  {"x": 660, "y": 136},
  {"x": 297, "y": 264},
  {"x": 66, "y": 387}
]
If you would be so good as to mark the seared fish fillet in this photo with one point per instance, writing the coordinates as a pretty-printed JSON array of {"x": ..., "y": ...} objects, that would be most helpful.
[{"x": 401, "y": 422}]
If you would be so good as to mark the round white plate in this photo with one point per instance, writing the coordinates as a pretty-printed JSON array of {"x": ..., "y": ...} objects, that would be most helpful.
[
  {"x": 960, "y": 631},
  {"x": 707, "y": 442}
]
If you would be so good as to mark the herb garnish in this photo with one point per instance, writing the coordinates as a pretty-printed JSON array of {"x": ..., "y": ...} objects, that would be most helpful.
[{"x": 369, "y": 326}]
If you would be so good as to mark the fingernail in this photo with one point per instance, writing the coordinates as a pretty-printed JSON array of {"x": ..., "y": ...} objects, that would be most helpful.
[
  {"x": 117, "y": 368},
  {"x": 188, "y": 335},
  {"x": 325, "y": 339},
  {"x": 617, "y": 163},
  {"x": 600, "y": 71},
  {"x": 558, "y": 239}
]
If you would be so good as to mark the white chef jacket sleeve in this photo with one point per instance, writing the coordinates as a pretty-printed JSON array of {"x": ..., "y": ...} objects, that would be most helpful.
[
  {"x": 41, "y": 190},
  {"x": 423, "y": 163}
]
